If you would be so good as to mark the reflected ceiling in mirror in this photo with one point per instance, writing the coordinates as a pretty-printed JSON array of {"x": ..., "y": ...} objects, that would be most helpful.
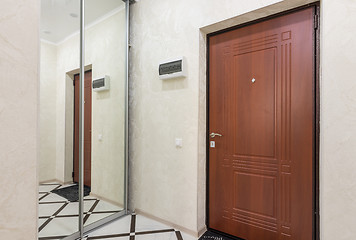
[{"x": 59, "y": 18}]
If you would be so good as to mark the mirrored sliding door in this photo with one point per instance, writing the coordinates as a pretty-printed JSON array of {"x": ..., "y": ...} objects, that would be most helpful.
[
  {"x": 59, "y": 67},
  {"x": 104, "y": 109},
  {"x": 83, "y": 116}
]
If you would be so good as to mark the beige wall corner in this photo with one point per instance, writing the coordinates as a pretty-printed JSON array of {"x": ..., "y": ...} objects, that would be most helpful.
[
  {"x": 338, "y": 120},
  {"x": 19, "y": 59}
]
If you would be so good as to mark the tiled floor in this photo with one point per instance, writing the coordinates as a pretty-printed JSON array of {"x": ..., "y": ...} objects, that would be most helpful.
[
  {"x": 59, "y": 218},
  {"x": 138, "y": 227}
]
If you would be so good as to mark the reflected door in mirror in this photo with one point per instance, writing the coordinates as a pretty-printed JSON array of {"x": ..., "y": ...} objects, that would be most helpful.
[{"x": 87, "y": 128}]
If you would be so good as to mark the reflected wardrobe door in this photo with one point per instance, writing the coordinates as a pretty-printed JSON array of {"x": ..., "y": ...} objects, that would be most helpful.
[
  {"x": 60, "y": 52},
  {"x": 104, "y": 123}
]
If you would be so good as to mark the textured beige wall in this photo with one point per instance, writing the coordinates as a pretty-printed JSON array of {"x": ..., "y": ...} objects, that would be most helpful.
[
  {"x": 168, "y": 182},
  {"x": 338, "y": 120},
  {"x": 19, "y": 60},
  {"x": 47, "y": 109}
]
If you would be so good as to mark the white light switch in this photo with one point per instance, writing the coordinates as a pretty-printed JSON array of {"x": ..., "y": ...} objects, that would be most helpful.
[
  {"x": 179, "y": 142},
  {"x": 100, "y": 137}
]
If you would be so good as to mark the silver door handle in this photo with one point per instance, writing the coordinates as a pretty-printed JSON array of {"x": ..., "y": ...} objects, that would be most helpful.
[{"x": 212, "y": 135}]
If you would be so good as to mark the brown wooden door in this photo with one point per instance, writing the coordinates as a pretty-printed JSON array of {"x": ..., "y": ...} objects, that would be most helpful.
[
  {"x": 261, "y": 101},
  {"x": 87, "y": 128}
]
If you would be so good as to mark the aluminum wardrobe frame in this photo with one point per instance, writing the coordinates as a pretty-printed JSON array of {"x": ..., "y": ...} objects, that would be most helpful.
[{"x": 83, "y": 230}]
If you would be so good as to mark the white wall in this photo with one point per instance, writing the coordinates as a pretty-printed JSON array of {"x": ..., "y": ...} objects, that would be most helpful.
[
  {"x": 19, "y": 59},
  {"x": 168, "y": 182},
  {"x": 47, "y": 109}
]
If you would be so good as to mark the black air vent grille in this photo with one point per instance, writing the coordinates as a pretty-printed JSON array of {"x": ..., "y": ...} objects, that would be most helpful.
[
  {"x": 171, "y": 67},
  {"x": 99, "y": 83}
]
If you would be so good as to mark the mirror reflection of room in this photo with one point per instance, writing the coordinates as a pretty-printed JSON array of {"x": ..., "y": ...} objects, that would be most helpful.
[
  {"x": 58, "y": 194},
  {"x": 104, "y": 114},
  {"x": 105, "y": 57}
]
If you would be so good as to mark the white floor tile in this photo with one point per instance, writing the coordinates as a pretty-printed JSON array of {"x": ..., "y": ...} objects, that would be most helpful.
[
  {"x": 146, "y": 224},
  {"x": 41, "y": 195},
  {"x": 47, "y": 188},
  {"x": 122, "y": 225},
  {"x": 96, "y": 217},
  {"x": 105, "y": 206},
  {"x": 73, "y": 207},
  {"x": 70, "y": 209},
  {"x": 157, "y": 236},
  {"x": 41, "y": 221},
  {"x": 48, "y": 209},
  {"x": 60, "y": 226},
  {"x": 88, "y": 204},
  {"x": 53, "y": 198},
  {"x": 118, "y": 238}
]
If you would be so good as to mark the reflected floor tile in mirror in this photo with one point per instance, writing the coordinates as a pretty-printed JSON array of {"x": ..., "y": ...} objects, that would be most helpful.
[
  {"x": 60, "y": 227},
  {"x": 58, "y": 217},
  {"x": 52, "y": 223},
  {"x": 98, "y": 209}
]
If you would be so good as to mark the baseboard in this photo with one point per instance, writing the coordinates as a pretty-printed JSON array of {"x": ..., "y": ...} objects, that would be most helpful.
[
  {"x": 202, "y": 231},
  {"x": 175, "y": 226},
  {"x": 67, "y": 183},
  {"x": 56, "y": 181},
  {"x": 51, "y": 181}
]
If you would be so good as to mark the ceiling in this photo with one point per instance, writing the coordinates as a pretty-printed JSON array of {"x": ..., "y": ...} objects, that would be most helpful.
[{"x": 60, "y": 18}]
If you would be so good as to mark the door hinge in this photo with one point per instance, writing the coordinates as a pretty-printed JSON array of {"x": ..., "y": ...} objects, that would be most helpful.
[{"x": 316, "y": 21}]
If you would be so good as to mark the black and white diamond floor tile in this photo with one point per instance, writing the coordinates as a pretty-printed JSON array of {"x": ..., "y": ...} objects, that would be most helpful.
[
  {"x": 59, "y": 218},
  {"x": 137, "y": 227}
]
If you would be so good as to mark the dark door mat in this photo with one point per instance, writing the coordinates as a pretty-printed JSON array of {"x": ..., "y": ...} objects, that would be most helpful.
[
  {"x": 209, "y": 235},
  {"x": 71, "y": 193}
]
